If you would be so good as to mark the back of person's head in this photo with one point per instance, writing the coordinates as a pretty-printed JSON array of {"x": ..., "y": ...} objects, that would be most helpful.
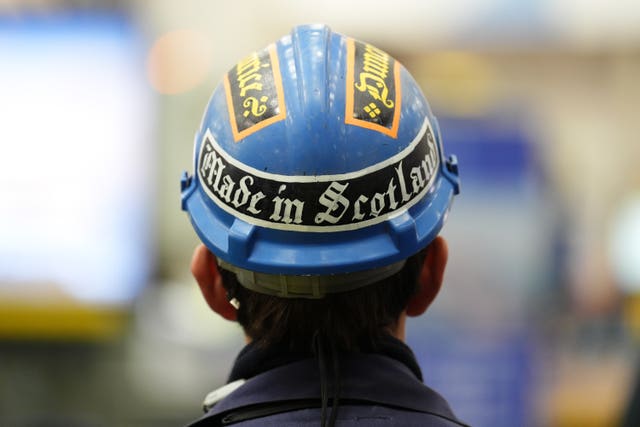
[
  {"x": 352, "y": 320},
  {"x": 320, "y": 187}
]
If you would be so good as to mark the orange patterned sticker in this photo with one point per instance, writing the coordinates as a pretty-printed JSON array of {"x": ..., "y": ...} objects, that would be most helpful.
[
  {"x": 373, "y": 89},
  {"x": 255, "y": 98}
]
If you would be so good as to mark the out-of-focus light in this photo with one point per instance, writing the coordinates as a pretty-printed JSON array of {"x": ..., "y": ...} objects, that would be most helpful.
[
  {"x": 594, "y": 23},
  {"x": 458, "y": 83},
  {"x": 75, "y": 175},
  {"x": 179, "y": 61},
  {"x": 624, "y": 248}
]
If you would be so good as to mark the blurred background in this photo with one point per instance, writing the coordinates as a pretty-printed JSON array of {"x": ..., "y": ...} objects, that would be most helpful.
[{"x": 101, "y": 323}]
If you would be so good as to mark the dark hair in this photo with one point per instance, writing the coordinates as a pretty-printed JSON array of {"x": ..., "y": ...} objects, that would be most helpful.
[{"x": 352, "y": 320}]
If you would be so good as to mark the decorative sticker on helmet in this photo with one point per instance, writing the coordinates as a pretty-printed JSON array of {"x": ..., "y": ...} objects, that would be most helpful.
[
  {"x": 373, "y": 89},
  {"x": 255, "y": 97},
  {"x": 325, "y": 202}
]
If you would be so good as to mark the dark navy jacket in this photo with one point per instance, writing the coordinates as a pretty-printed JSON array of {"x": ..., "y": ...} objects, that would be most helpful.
[{"x": 376, "y": 390}]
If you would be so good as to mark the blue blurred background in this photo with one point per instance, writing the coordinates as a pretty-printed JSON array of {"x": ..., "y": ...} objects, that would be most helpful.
[{"x": 100, "y": 321}]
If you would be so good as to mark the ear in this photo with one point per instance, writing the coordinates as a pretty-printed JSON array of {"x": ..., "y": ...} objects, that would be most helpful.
[
  {"x": 205, "y": 270},
  {"x": 431, "y": 277}
]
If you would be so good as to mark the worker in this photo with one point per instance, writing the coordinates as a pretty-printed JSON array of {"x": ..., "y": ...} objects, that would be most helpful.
[{"x": 319, "y": 190}]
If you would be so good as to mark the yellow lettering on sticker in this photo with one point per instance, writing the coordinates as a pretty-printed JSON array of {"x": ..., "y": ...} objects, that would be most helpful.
[
  {"x": 254, "y": 106},
  {"x": 249, "y": 65},
  {"x": 253, "y": 86},
  {"x": 376, "y": 61},
  {"x": 376, "y": 86},
  {"x": 372, "y": 79},
  {"x": 247, "y": 70}
]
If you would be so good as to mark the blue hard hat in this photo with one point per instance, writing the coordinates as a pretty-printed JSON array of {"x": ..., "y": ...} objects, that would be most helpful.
[{"x": 318, "y": 156}]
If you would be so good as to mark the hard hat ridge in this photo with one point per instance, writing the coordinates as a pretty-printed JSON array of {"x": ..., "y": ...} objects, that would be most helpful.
[{"x": 317, "y": 156}]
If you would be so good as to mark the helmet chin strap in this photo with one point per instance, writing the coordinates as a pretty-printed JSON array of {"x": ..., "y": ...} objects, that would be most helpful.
[{"x": 309, "y": 286}]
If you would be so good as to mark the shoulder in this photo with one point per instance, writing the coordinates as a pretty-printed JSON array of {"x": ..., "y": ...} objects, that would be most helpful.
[
  {"x": 375, "y": 390},
  {"x": 354, "y": 415}
]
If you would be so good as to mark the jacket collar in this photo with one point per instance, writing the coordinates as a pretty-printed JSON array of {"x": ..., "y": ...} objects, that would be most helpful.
[
  {"x": 272, "y": 376},
  {"x": 393, "y": 384},
  {"x": 253, "y": 360}
]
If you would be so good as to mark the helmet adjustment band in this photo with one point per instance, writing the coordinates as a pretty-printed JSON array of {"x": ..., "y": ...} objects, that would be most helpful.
[{"x": 309, "y": 286}]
